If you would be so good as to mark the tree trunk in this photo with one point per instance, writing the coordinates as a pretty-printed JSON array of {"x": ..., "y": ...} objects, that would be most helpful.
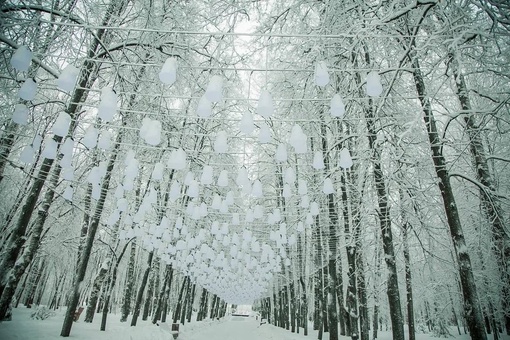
[
  {"x": 94, "y": 295},
  {"x": 130, "y": 281},
  {"x": 141, "y": 289},
  {"x": 471, "y": 304},
  {"x": 177, "y": 311},
  {"x": 489, "y": 199},
  {"x": 162, "y": 293},
  {"x": 150, "y": 290},
  {"x": 84, "y": 259},
  {"x": 13, "y": 276}
]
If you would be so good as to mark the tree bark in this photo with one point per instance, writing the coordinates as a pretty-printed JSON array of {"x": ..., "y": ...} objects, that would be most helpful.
[
  {"x": 141, "y": 289},
  {"x": 84, "y": 259},
  {"x": 471, "y": 304}
]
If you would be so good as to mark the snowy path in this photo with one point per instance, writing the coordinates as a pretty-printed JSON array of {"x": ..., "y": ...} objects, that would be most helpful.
[
  {"x": 240, "y": 328},
  {"x": 230, "y": 328}
]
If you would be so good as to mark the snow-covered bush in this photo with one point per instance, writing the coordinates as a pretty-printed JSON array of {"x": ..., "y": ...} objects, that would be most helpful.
[{"x": 42, "y": 313}]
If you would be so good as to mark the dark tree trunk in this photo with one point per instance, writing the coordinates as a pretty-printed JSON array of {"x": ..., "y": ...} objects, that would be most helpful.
[
  {"x": 471, "y": 305},
  {"x": 130, "y": 281},
  {"x": 141, "y": 289},
  {"x": 177, "y": 311},
  {"x": 84, "y": 259},
  {"x": 94, "y": 295},
  {"x": 163, "y": 293},
  {"x": 488, "y": 197}
]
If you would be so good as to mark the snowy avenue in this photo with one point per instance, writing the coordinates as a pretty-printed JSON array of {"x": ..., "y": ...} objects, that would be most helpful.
[{"x": 255, "y": 169}]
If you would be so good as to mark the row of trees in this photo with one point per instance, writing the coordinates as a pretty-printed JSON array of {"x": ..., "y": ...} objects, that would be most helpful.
[{"x": 422, "y": 213}]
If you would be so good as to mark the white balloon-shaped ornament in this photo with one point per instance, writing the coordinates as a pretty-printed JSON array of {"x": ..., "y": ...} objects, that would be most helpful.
[
  {"x": 214, "y": 91},
  {"x": 321, "y": 74},
  {"x": 264, "y": 134},
  {"x": 345, "y": 159},
  {"x": 61, "y": 125},
  {"x": 204, "y": 108},
  {"x": 108, "y": 104},
  {"x": 20, "y": 114},
  {"x": 318, "y": 160},
  {"x": 281, "y": 153},
  {"x": 27, "y": 155},
  {"x": 168, "y": 73},
  {"x": 90, "y": 137},
  {"x": 265, "y": 107},
  {"x": 221, "y": 144},
  {"x": 374, "y": 86},
  {"x": 177, "y": 160},
  {"x": 28, "y": 90},
  {"x": 246, "y": 124},
  {"x": 21, "y": 59},
  {"x": 328, "y": 187},
  {"x": 337, "y": 108},
  {"x": 68, "y": 78},
  {"x": 223, "y": 178}
]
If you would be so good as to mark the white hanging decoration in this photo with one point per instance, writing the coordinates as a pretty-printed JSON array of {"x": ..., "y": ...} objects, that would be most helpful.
[
  {"x": 108, "y": 104},
  {"x": 61, "y": 125},
  {"x": 321, "y": 74},
  {"x": 122, "y": 204},
  {"x": 68, "y": 78},
  {"x": 265, "y": 107},
  {"x": 68, "y": 193},
  {"x": 337, "y": 106},
  {"x": 258, "y": 211},
  {"x": 249, "y": 216},
  {"x": 177, "y": 160},
  {"x": 50, "y": 148},
  {"x": 328, "y": 187},
  {"x": 36, "y": 143},
  {"x": 246, "y": 124},
  {"x": 28, "y": 90},
  {"x": 305, "y": 201},
  {"x": 207, "y": 175},
  {"x": 157, "y": 172},
  {"x": 224, "y": 207},
  {"x": 113, "y": 218},
  {"x": 216, "y": 202},
  {"x": 193, "y": 189},
  {"x": 374, "y": 86},
  {"x": 287, "y": 191},
  {"x": 314, "y": 208},
  {"x": 105, "y": 140},
  {"x": 242, "y": 177},
  {"x": 264, "y": 134},
  {"x": 67, "y": 159},
  {"x": 223, "y": 178},
  {"x": 175, "y": 191},
  {"x": 300, "y": 226},
  {"x": 247, "y": 188},
  {"x": 21, "y": 59},
  {"x": 20, "y": 114},
  {"x": 290, "y": 175},
  {"x": 221, "y": 144},
  {"x": 204, "y": 108},
  {"x": 214, "y": 91},
  {"x": 298, "y": 139},
  {"x": 189, "y": 178},
  {"x": 345, "y": 159},
  {"x": 90, "y": 137},
  {"x": 67, "y": 173},
  {"x": 302, "y": 187},
  {"x": 318, "y": 160},
  {"x": 229, "y": 199},
  {"x": 168, "y": 73},
  {"x": 150, "y": 131},
  {"x": 119, "y": 192},
  {"x": 27, "y": 155},
  {"x": 256, "y": 190},
  {"x": 281, "y": 153}
]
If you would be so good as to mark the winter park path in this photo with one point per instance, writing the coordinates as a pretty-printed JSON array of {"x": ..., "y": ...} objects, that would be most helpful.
[{"x": 228, "y": 328}]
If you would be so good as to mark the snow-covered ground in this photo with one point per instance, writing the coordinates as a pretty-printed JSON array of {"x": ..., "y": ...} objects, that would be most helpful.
[{"x": 229, "y": 328}]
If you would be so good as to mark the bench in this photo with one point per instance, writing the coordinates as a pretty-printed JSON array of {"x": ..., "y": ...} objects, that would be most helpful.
[
  {"x": 77, "y": 313},
  {"x": 262, "y": 321}
]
